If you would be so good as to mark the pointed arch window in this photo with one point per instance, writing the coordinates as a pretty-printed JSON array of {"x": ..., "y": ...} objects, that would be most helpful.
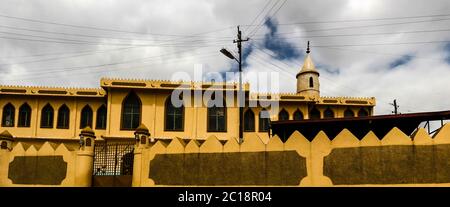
[
  {"x": 24, "y": 115},
  {"x": 249, "y": 121},
  {"x": 100, "y": 122},
  {"x": 363, "y": 112},
  {"x": 283, "y": 115},
  {"x": 349, "y": 113},
  {"x": 86, "y": 117},
  {"x": 217, "y": 118},
  {"x": 314, "y": 113},
  {"x": 298, "y": 115},
  {"x": 131, "y": 112},
  {"x": 174, "y": 116},
  {"x": 63, "y": 119},
  {"x": 311, "y": 82},
  {"x": 8, "y": 115},
  {"x": 264, "y": 121},
  {"x": 47, "y": 116},
  {"x": 328, "y": 113}
]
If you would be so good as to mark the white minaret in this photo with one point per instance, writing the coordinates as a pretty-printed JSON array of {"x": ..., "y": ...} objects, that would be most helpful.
[{"x": 308, "y": 78}]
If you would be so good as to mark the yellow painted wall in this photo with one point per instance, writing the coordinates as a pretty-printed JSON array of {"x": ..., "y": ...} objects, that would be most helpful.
[{"x": 75, "y": 104}]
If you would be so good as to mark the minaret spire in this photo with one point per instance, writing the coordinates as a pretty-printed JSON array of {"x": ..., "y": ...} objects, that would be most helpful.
[
  {"x": 307, "y": 49},
  {"x": 308, "y": 77}
]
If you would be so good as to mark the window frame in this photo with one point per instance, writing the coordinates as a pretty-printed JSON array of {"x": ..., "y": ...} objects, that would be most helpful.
[
  {"x": 87, "y": 107},
  {"x": 310, "y": 113},
  {"x": 67, "y": 118},
  {"x": 254, "y": 120},
  {"x": 260, "y": 129},
  {"x": 97, "y": 117},
  {"x": 283, "y": 111},
  {"x": 28, "y": 116},
  {"x": 13, "y": 115},
  {"x": 325, "y": 113},
  {"x": 225, "y": 111},
  {"x": 366, "y": 111},
  {"x": 50, "y": 126},
  {"x": 122, "y": 128},
  {"x": 348, "y": 109},
  {"x": 296, "y": 112},
  {"x": 166, "y": 104}
]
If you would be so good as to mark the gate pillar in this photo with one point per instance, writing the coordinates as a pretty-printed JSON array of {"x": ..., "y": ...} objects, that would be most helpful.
[
  {"x": 6, "y": 140},
  {"x": 85, "y": 158},
  {"x": 142, "y": 138}
]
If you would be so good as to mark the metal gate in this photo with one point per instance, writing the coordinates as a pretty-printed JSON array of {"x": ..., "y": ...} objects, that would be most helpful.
[{"x": 113, "y": 163}]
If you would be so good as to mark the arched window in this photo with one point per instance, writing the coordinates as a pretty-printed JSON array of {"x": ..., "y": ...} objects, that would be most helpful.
[
  {"x": 311, "y": 82},
  {"x": 131, "y": 112},
  {"x": 63, "y": 117},
  {"x": 88, "y": 142},
  {"x": 328, "y": 113},
  {"x": 349, "y": 113},
  {"x": 249, "y": 121},
  {"x": 298, "y": 115},
  {"x": 24, "y": 115},
  {"x": 314, "y": 114},
  {"x": 8, "y": 115},
  {"x": 283, "y": 115},
  {"x": 47, "y": 116},
  {"x": 264, "y": 121},
  {"x": 363, "y": 112},
  {"x": 100, "y": 123},
  {"x": 86, "y": 117},
  {"x": 174, "y": 116}
]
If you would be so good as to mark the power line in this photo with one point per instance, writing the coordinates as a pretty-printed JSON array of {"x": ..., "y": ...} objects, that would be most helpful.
[
  {"x": 69, "y": 53},
  {"x": 366, "y": 26},
  {"x": 80, "y": 35},
  {"x": 124, "y": 62},
  {"x": 383, "y": 44},
  {"x": 359, "y": 20},
  {"x": 39, "y": 74},
  {"x": 299, "y": 63},
  {"x": 379, "y": 53},
  {"x": 265, "y": 6},
  {"x": 94, "y": 51},
  {"x": 74, "y": 42},
  {"x": 253, "y": 32},
  {"x": 264, "y": 17},
  {"x": 145, "y": 66},
  {"x": 353, "y": 35},
  {"x": 90, "y": 27}
]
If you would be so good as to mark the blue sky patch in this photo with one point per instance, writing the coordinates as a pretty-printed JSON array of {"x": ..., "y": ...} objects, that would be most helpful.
[
  {"x": 328, "y": 69},
  {"x": 447, "y": 53},
  {"x": 405, "y": 59},
  {"x": 282, "y": 49}
]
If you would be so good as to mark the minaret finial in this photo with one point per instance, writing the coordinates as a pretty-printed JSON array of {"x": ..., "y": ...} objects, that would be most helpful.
[{"x": 307, "y": 49}]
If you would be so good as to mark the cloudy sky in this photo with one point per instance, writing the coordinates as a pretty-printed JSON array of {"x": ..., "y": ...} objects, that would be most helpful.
[{"x": 387, "y": 49}]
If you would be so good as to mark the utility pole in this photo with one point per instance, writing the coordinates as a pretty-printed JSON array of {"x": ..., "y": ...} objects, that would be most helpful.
[
  {"x": 241, "y": 95},
  {"x": 395, "y": 106}
]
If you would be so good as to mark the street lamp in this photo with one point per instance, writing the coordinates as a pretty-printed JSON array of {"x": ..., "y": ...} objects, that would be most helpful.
[{"x": 228, "y": 54}]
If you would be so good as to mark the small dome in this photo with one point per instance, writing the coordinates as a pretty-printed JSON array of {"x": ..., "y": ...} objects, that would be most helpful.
[
  {"x": 308, "y": 66},
  {"x": 87, "y": 131},
  {"x": 142, "y": 129},
  {"x": 5, "y": 135}
]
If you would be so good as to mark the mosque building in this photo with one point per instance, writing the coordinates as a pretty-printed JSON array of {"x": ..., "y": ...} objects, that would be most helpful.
[{"x": 119, "y": 106}]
